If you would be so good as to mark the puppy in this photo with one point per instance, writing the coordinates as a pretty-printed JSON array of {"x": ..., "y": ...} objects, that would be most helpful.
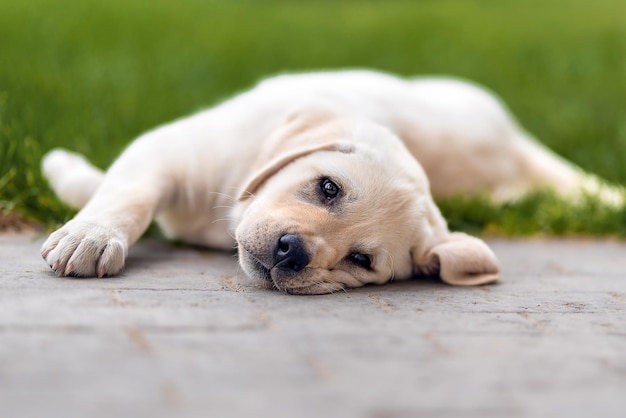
[{"x": 323, "y": 181}]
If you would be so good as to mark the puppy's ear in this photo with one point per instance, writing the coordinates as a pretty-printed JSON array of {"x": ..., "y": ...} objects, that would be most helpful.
[
  {"x": 461, "y": 260},
  {"x": 275, "y": 165},
  {"x": 302, "y": 132}
]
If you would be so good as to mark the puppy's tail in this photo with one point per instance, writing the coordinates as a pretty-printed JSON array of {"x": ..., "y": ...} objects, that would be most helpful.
[{"x": 73, "y": 179}]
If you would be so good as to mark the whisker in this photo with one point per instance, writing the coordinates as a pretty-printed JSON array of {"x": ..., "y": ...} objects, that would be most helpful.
[
  {"x": 328, "y": 288},
  {"x": 248, "y": 194},
  {"x": 227, "y": 196},
  {"x": 342, "y": 288},
  {"x": 222, "y": 220},
  {"x": 223, "y": 207}
]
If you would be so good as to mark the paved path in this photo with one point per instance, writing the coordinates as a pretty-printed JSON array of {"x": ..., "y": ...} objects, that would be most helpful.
[{"x": 184, "y": 333}]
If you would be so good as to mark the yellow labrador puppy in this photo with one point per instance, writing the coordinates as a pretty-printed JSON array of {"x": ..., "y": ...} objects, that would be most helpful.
[{"x": 324, "y": 180}]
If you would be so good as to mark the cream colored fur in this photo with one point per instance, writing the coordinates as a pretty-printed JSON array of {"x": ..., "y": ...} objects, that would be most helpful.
[{"x": 249, "y": 171}]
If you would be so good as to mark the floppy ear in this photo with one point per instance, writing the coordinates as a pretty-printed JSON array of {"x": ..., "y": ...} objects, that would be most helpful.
[
  {"x": 275, "y": 165},
  {"x": 461, "y": 260},
  {"x": 302, "y": 132}
]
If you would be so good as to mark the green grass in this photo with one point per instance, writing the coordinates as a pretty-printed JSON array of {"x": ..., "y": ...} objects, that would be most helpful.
[
  {"x": 91, "y": 75},
  {"x": 537, "y": 213}
]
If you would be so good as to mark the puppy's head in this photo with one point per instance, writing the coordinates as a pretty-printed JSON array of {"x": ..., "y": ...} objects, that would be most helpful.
[{"x": 344, "y": 204}]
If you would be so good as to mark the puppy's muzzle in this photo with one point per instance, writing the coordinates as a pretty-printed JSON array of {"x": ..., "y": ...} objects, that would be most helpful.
[{"x": 290, "y": 254}]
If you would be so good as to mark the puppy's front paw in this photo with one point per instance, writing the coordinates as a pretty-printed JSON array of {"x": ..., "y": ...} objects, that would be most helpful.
[{"x": 85, "y": 249}]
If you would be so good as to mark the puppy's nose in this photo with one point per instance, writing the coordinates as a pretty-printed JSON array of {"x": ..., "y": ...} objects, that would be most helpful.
[{"x": 290, "y": 254}]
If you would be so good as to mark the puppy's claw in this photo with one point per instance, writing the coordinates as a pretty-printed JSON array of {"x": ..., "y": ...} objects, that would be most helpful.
[
  {"x": 102, "y": 272},
  {"x": 45, "y": 253},
  {"x": 56, "y": 265},
  {"x": 70, "y": 269}
]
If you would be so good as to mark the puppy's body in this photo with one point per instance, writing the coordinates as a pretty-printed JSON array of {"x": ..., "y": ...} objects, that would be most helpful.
[{"x": 189, "y": 175}]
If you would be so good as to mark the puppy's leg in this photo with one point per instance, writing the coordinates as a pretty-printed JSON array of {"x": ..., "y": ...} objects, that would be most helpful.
[
  {"x": 73, "y": 179},
  {"x": 546, "y": 170},
  {"x": 96, "y": 241}
]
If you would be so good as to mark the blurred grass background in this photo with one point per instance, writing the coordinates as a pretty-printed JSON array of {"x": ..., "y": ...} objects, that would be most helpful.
[{"x": 92, "y": 75}]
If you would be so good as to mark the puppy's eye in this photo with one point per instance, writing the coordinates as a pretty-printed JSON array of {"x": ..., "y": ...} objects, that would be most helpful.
[
  {"x": 329, "y": 189},
  {"x": 361, "y": 260}
]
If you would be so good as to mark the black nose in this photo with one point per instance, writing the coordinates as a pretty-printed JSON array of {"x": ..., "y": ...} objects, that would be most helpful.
[{"x": 290, "y": 254}]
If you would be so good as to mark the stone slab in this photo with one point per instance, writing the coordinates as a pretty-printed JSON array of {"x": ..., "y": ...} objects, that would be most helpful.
[{"x": 182, "y": 332}]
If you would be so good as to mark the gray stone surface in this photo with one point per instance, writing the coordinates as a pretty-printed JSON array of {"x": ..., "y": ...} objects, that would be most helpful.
[{"x": 184, "y": 333}]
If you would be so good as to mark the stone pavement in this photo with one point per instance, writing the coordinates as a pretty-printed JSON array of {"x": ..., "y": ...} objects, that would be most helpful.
[{"x": 183, "y": 333}]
